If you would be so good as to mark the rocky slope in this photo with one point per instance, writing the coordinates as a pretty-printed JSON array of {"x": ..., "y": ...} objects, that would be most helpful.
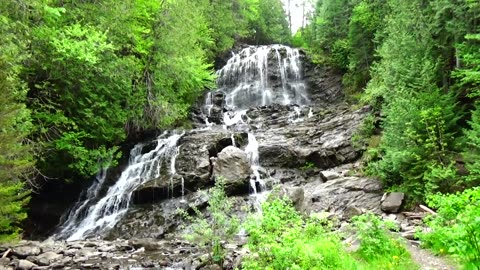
[{"x": 298, "y": 139}]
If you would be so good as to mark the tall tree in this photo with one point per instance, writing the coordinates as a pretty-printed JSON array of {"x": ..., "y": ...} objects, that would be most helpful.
[
  {"x": 419, "y": 118},
  {"x": 15, "y": 125}
]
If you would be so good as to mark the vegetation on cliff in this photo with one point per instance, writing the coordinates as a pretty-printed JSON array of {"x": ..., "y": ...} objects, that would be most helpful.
[{"x": 78, "y": 77}]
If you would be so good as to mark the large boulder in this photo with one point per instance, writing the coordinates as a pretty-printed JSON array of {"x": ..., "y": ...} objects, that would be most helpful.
[
  {"x": 338, "y": 196},
  {"x": 392, "y": 202},
  {"x": 232, "y": 164}
]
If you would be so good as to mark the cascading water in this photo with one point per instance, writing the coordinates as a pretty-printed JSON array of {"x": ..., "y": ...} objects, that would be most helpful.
[
  {"x": 109, "y": 210},
  {"x": 81, "y": 206},
  {"x": 249, "y": 78},
  {"x": 252, "y": 154}
]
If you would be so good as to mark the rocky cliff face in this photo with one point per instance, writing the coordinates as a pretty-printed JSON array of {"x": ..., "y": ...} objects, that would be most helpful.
[{"x": 275, "y": 120}]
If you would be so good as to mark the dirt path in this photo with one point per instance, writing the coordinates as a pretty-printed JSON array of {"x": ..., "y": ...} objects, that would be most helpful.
[{"x": 428, "y": 261}]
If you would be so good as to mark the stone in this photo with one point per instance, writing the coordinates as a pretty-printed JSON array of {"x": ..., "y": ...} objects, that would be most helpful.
[
  {"x": 392, "y": 202},
  {"x": 25, "y": 251},
  {"x": 232, "y": 164},
  {"x": 148, "y": 244},
  {"x": 4, "y": 261},
  {"x": 351, "y": 211},
  {"x": 345, "y": 193},
  {"x": 212, "y": 267},
  {"x": 297, "y": 196},
  {"x": 47, "y": 258},
  {"x": 330, "y": 175},
  {"x": 410, "y": 235},
  {"x": 25, "y": 265},
  {"x": 218, "y": 98}
]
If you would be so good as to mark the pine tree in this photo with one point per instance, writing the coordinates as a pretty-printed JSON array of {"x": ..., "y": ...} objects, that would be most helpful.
[{"x": 15, "y": 156}]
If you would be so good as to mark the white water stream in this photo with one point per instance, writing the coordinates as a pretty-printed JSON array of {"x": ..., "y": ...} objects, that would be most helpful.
[
  {"x": 105, "y": 213},
  {"x": 248, "y": 82}
]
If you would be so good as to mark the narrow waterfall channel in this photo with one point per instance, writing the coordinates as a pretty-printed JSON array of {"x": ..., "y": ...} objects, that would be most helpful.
[{"x": 255, "y": 76}]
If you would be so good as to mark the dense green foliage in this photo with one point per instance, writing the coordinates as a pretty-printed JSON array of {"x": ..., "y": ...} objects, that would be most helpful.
[
  {"x": 15, "y": 124},
  {"x": 79, "y": 77},
  {"x": 282, "y": 239},
  {"x": 220, "y": 224},
  {"x": 456, "y": 228},
  {"x": 417, "y": 63}
]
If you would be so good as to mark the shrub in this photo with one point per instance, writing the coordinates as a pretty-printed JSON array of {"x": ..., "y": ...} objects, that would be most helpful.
[
  {"x": 377, "y": 246},
  {"x": 219, "y": 226},
  {"x": 282, "y": 239},
  {"x": 456, "y": 228}
]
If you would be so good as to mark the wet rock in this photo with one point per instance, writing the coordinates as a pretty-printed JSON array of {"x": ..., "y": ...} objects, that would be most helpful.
[
  {"x": 216, "y": 115},
  {"x": 218, "y": 98},
  {"x": 392, "y": 202},
  {"x": 232, "y": 164}
]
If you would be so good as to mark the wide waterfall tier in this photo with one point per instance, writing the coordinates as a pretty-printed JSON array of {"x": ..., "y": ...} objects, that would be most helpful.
[
  {"x": 143, "y": 166},
  {"x": 259, "y": 76}
]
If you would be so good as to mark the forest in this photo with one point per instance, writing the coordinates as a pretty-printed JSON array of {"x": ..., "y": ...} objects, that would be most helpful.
[{"x": 79, "y": 78}]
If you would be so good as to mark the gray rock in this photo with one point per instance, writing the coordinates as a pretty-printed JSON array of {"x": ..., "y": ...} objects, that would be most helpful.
[
  {"x": 25, "y": 251},
  {"x": 232, "y": 164},
  {"x": 392, "y": 202},
  {"x": 352, "y": 211},
  {"x": 47, "y": 258},
  {"x": 297, "y": 195},
  {"x": 330, "y": 175},
  {"x": 148, "y": 243},
  {"x": 345, "y": 193},
  {"x": 4, "y": 261},
  {"x": 410, "y": 235},
  {"x": 218, "y": 98},
  {"x": 25, "y": 265}
]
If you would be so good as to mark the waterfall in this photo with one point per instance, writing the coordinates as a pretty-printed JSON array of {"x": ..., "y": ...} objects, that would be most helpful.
[
  {"x": 250, "y": 78},
  {"x": 256, "y": 76},
  {"x": 105, "y": 213},
  {"x": 69, "y": 223},
  {"x": 253, "y": 157}
]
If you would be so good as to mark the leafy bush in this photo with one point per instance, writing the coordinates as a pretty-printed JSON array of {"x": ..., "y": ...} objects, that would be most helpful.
[
  {"x": 456, "y": 228},
  {"x": 282, "y": 239},
  {"x": 378, "y": 246},
  {"x": 219, "y": 226}
]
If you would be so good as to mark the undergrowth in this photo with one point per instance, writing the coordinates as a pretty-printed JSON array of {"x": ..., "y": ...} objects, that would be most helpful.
[
  {"x": 281, "y": 238},
  {"x": 455, "y": 230}
]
